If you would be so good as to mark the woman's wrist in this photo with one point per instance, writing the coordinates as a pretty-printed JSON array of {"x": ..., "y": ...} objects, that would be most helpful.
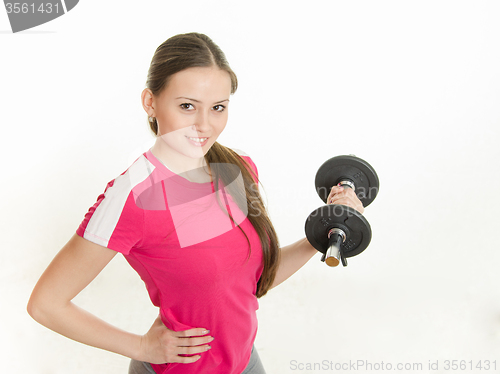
[{"x": 308, "y": 247}]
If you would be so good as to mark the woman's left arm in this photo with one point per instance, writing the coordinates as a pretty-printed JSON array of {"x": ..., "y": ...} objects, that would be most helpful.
[{"x": 295, "y": 255}]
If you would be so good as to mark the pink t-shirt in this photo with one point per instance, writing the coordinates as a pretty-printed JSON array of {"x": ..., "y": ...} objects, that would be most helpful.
[{"x": 195, "y": 262}]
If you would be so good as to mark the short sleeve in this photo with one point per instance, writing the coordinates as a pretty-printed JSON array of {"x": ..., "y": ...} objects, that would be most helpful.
[
  {"x": 253, "y": 168},
  {"x": 248, "y": 160},
  {"x": 114, "y": 221}
]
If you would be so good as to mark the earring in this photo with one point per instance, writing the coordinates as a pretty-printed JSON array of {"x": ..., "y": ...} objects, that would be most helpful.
[{"x": 151, "y": 119}]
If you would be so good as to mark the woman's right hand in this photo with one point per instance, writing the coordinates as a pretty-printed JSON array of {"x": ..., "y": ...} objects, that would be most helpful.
[{"x": 162, "y": 345}]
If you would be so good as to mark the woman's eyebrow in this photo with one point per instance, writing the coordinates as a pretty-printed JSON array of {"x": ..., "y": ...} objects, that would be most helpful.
[{"x": 197, "y": 101}]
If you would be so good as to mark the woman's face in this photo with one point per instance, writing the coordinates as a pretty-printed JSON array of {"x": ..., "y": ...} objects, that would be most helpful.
[{"x": 192, "y": 110}]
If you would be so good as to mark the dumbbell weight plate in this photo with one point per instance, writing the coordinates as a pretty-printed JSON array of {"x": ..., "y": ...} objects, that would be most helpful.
[
  {"x": 355, "y": 226},
  {"x": 351, "y": 168}
]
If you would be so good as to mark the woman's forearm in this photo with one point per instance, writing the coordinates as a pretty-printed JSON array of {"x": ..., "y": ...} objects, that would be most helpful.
[
  {"x": 293, "y": 257},
  {"x": 82, "y": 326}
]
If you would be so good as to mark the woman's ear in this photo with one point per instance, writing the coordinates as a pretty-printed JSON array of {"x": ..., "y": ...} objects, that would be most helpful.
[{"x": 147, "y": 101}]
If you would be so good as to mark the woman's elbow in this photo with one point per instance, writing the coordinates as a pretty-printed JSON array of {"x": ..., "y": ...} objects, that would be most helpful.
[
  {"x": 34, "y": 309},
  {"x": 38, "y": 308}
]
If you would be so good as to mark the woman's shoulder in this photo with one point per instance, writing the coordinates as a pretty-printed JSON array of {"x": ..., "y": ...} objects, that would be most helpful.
[
  {"x": 247, "y": 159},
  {"x": 243, "y": 155},
  {"x": 240, "y": 152}
]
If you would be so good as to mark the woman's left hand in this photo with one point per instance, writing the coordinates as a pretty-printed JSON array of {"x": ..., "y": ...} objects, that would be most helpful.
[{"x": 345, "y": 196}]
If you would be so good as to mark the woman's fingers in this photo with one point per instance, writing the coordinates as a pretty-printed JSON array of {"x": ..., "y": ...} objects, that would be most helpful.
[
  {"x": 193, "y": 350},
  {"x": 345, "y": 196},
  {"x": 187, "y": 359},
  {"x": 194, "y": 338},
  {"x": 160, "y": 344},
  {"x": 192, "y": 342},
  {"x": 198, "y": 331}
]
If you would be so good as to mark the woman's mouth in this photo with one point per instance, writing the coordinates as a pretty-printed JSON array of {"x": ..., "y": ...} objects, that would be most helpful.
[{"x": 199, "y": 142}]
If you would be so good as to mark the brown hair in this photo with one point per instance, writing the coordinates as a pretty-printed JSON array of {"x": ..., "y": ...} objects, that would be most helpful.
[{"x": 198, "y": 50}]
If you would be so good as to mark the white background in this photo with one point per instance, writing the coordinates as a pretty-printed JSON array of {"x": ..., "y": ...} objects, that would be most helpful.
[{"x": 411, "y": 87}]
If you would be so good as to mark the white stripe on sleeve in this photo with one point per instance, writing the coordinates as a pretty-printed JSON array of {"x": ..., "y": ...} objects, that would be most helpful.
[{"x": 105, "y": 218}]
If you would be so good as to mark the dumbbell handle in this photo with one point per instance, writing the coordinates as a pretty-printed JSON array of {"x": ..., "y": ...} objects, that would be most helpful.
[
  {"x": 347, "y": 183},
  {"x": 333, "y": 255}
]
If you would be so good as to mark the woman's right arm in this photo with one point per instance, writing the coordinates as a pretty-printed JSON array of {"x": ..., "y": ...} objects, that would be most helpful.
[{"x": 73, "y": 268}]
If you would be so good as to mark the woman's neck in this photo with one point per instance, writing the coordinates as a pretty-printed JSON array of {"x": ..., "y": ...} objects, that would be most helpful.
[{"x": 193, "y": 169}]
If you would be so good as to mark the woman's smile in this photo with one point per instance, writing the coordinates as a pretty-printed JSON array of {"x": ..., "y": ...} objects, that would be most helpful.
[{"x": 198, "y": 142}]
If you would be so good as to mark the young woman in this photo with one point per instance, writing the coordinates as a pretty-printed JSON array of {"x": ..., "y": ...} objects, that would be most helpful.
[{"x": 188, "y": 217}]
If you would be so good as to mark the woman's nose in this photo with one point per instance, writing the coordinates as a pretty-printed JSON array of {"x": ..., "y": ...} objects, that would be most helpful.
[{"x": 201, "y": 122}]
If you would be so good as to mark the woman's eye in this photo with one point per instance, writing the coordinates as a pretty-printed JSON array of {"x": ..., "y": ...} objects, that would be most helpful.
[
  {"x": 186, "y": 106},
  {"x": 219, "y": 108}
]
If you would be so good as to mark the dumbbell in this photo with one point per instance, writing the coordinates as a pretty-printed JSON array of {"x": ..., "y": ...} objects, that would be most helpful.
[{"x": 339, "y": 231}]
